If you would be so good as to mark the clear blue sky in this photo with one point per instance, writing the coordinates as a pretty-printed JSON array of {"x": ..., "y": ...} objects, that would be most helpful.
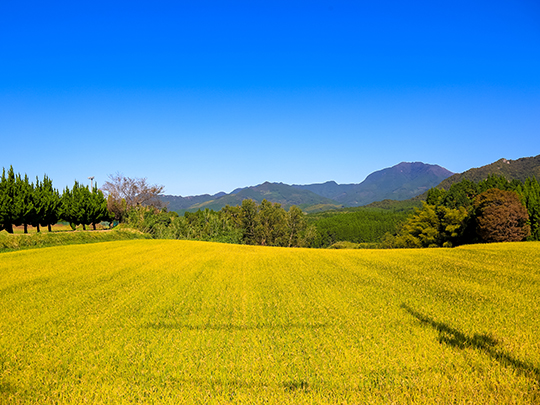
[{"x": 207, "y": 96}]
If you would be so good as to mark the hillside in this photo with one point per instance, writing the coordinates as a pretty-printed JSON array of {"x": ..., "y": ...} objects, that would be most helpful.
[
  {"x": 275, "y": 192},
  {"x": 330, "y": 189},
  {"x": 178, "y": 203},
  {"x": 400, "y": 182},
  {"x": 518, "y": 169}
]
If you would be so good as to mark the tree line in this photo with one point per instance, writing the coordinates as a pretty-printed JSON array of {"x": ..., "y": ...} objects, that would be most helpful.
[
  {"x": 267, "y": 224},
  {"x": 264, "y": 224},
  {"x": 492, "y": 210},
  {"x": 39, "y": 204}
]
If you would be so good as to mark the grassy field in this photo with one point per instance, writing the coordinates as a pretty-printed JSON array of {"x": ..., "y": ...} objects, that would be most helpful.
[
  {"x": 153, "y": 321},
  {"x": 32, "y": 240}
]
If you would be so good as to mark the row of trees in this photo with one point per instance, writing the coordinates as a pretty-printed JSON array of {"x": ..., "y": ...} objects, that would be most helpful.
[
  {"x": 493, "y": 210},
  {"x": 265, "y": 224},
  {"x": 39, "y": 204}
]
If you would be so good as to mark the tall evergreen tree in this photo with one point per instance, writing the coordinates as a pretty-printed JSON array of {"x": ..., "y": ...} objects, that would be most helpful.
[
  {"x": 494, "y": 181},
  {"x": 80, "y": 206},
  {"x": 3, "y": 200},
  {"x": 83, "y": 202},
  {"x": 51, "y": 201},
  {"x": 8, "y": 213},
  {"x": 39, "y": 205},
  {"x": 24, "y": 202},
  {"x": 530, "y": 191},
  {"x": 68, "y": 207},
  {"x": 98, "y": 207}
]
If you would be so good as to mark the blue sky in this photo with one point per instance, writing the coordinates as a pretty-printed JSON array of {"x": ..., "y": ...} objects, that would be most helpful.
[{"x": 209, "y": 96}]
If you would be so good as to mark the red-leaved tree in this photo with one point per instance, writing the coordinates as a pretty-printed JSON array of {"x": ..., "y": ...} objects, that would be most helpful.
[{"x": 500, "y": 216}]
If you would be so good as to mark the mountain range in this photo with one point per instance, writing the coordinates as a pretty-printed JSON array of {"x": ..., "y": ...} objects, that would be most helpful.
[
  {"x": 397, "y": 183},
  {"x": 400, "y": 182}
]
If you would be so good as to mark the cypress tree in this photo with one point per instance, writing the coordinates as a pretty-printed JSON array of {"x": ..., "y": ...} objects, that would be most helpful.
[
  {"x": 24, "y": 204},
  {"x": 7, "y": 200},
  {"x": 51, "y": 204},
  {"x": 77, "y": 205},
  {"x": 39, "y": 204},
  {"x": 68, "y": 208},
  {"x": 3, "y": 199},
  {"x": 84, "y": 205},
  {"x": 99, "y": 211},
  {"x": 531, "y": 195}
]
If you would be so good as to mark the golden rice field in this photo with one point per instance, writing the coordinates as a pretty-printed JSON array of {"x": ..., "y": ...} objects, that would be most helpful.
[{"x": 179, "y": 322}]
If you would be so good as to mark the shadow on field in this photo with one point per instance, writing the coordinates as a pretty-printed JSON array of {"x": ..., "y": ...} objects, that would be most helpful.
[
  {"x": 234, "y": 327},
  {"x": 484, "y": 342}
]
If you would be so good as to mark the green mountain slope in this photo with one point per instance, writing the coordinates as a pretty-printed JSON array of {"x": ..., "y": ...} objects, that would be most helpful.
[
  {"x": 330, "y": 189},
  {"x": 518, "y": 169},
  {"x": 283, "y": 194},
  {"x": 179, "y": 203}
]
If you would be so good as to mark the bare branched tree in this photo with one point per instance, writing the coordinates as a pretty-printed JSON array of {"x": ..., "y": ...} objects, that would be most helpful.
[{"x": 124, "y": 193}]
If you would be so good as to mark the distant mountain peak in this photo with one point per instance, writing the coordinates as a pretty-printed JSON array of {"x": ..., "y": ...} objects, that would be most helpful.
[{"x": 400, "y": 182}]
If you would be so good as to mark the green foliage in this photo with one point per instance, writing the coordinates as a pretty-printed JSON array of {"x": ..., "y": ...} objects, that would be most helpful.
[
  {"x": 50, "y": 198},
  {"x": 295, "y": 224},
  {"x": 435, "y": 196},
  {"x": 98, "y": 207},
  {"x": 530, "y": 192},
  {"x": 248, "y": 218},
  {"x": 270, "y": 228},
  {"x": 495, "y": 209},
  {"x": 460, "y": 194},
  {"x": 8, "y": 192},
  {"x": 266, "y": 224},
  {"x": 40, "y": 204},
  {"x": 432, "y": 226},
  {"x": 24, "y": 202},
  {"x": 395, "y": 205},
  {"x": 82, "y": 206},
  {"x": 359, "y": 225}
]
